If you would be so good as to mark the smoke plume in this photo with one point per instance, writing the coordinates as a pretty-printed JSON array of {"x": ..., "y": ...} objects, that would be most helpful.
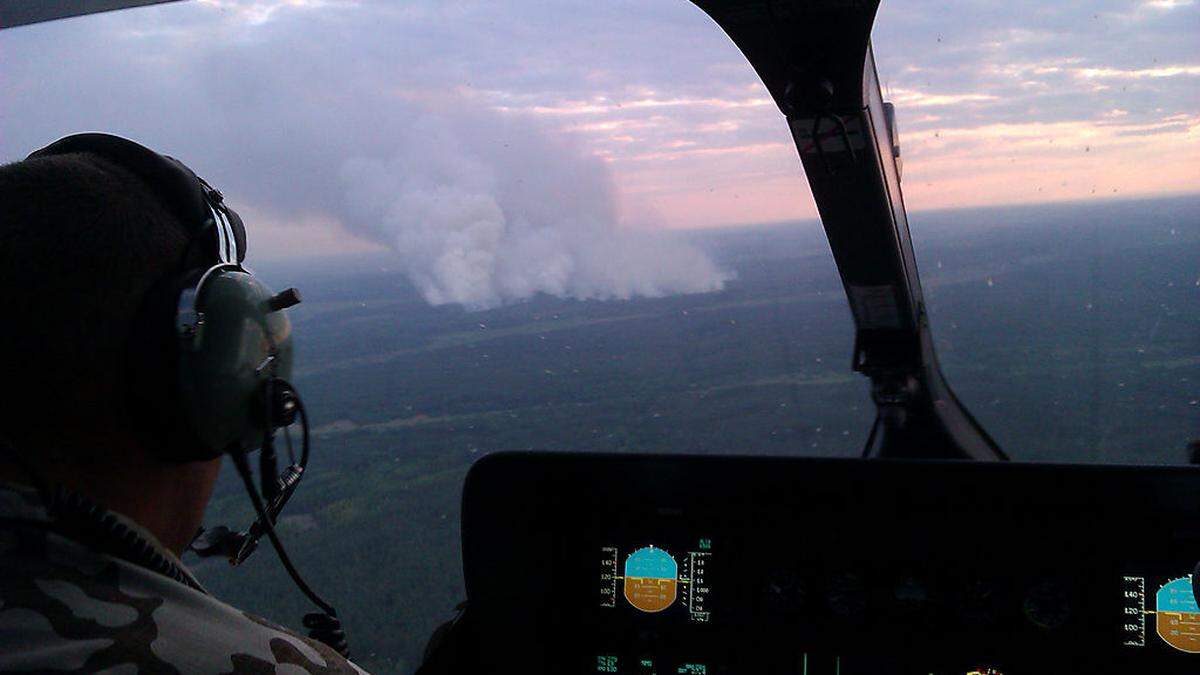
[
  {"x": 483, "y": 211},
  {"x": 332, "y": 120}
]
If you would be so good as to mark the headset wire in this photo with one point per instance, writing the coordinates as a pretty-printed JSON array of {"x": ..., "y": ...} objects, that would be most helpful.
[{"x": 324, "y": 627}]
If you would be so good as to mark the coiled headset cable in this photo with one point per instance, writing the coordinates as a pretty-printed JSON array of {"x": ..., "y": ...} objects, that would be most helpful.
[{"x": 285, "y": 406}]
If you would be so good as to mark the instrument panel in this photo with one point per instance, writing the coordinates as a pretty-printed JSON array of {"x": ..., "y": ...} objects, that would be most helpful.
[{"x": 584, "y": 563}]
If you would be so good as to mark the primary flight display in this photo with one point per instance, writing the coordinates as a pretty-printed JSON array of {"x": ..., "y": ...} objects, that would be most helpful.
[{"x": 651, "y": 579}]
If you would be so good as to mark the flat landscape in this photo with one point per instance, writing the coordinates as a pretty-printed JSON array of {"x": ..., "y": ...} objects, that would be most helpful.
[{"x": 1071, "y": 331}]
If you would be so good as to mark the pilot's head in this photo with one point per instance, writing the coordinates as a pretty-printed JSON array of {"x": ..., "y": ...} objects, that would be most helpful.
[{"x": 82, "y": 241}]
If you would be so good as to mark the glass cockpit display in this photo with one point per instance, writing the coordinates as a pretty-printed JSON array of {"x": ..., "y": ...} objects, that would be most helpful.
[
  {"x": 1160, "y": 612},
  {"x": 652, "y": 579}
]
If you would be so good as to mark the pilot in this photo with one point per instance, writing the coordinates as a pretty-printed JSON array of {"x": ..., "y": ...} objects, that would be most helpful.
[{"x": 99, "y": 495}]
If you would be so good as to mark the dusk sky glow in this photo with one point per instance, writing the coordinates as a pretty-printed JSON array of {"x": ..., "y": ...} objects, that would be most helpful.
[{"x": 1013, "y": 102}]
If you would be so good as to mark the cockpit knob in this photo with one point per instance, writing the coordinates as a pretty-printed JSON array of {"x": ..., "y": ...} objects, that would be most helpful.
[
  {"x": 847, "y": 596},
  {"x": 1047, "y": 605},
  {"x": 785, "y": 594}
]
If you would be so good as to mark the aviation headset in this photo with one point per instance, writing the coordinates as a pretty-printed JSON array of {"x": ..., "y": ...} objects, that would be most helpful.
[
  {"x": 208, "y": 339},
  {"x": 208, "y": 362}
]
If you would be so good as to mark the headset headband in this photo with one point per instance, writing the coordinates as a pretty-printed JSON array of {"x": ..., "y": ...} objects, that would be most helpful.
[{"x": 196, "y": 204}]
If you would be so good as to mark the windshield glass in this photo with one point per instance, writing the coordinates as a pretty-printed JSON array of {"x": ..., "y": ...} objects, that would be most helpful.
[
  {"x": 584, "y": 226},
  {"x": 1066, "y": 304}
]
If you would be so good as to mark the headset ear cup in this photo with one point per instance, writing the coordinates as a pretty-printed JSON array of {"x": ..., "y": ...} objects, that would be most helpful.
[
  {"x": 152, "y": 365},
  {"x": 224, "y": 365},
  {"x": 194, "y": 392}
]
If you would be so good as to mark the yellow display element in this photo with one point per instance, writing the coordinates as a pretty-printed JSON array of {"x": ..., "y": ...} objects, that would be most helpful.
[
  {"x": 649, "y": 594},
  {"x": 1181, "y": 630}
]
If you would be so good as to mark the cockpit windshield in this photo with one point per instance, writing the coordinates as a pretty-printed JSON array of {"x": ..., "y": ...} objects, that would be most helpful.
[{"x": 1064, "y": 302}]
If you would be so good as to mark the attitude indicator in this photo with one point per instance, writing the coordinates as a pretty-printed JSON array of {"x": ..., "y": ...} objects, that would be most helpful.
[
  {"x": 1177, "y": 617},
  {"x": 651, "y": 579}
]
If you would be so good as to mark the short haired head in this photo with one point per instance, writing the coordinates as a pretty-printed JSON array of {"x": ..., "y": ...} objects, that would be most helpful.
[
  {"x": 82, "y": 241},
  {"x": 137, "y": 346}
]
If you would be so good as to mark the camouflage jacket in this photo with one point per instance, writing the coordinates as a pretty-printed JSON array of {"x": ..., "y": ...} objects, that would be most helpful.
[{"x": 67, "y": 609}]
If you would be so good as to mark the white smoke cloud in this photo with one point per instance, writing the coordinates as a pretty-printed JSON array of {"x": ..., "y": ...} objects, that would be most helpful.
[
  {"x": 359, "y": 128},
  {"x": 482, "y": 211}
]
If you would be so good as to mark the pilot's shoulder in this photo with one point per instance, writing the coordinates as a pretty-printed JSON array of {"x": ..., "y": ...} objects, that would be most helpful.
[
  {"x": 63, "y": 607},
  {"x": 289, "y": 648},
  {"x": 198, "y": 632}
]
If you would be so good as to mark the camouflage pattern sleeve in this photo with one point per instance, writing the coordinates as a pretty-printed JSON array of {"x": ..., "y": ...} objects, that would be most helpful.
[{"x": 67, "y": 609}]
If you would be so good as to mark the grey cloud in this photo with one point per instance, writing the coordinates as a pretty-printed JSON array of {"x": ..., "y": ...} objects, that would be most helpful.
[
  {"x": 975, "y": 46},
  {"x": 1162, "y": 128},
  {"x": 274, "y": 109}
]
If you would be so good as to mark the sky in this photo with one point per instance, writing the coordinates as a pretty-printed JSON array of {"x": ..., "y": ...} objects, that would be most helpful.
[{"x": 639, "y": 114}]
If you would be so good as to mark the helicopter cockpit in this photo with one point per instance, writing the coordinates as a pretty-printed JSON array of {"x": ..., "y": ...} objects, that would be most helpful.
[{"x": 933, "y": 552}]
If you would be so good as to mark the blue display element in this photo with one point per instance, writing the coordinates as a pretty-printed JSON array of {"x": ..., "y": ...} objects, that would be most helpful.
[
  {"x": 650, "y": 562},
  {"x": 1176, "y": 596}
]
